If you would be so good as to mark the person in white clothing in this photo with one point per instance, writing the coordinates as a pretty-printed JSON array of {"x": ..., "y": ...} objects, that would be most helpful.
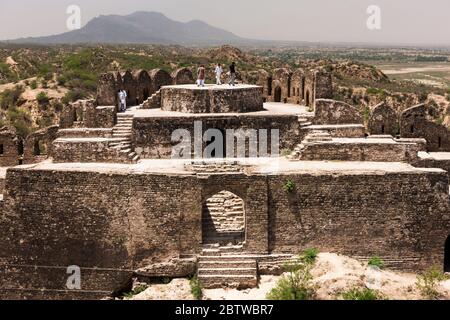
[
  {"x": 122, "y": 100},
  {"x": 218, "y": 72}
]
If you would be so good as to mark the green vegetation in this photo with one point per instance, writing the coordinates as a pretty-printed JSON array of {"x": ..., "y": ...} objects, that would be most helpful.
[
  {"x": 33, "y": 85},
  {"x": 439, "y": 120},
  {"x": 376, "y": 261},
  {"x": 138, "y": 289},
  {"x": 297, "y": 284},
  {"x": 366, "y": 114},
  {"x": 361, "y": 294},
  {"x": 20, "y": 119},
  {"x": 196, "y": 288},
  {"x": 428, "y": 282},
  {"x": 10, "y": 97},
  {"x": 289, "y": 186},
  {"x": 6, "y": 75},
  {"x": 42, "y": 98},
  {"x": 73, "y": 95},
  {"x": 421, "y": 58}
]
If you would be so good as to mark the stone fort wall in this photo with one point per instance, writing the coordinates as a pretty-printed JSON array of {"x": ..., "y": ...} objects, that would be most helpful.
[
  {"x": 152, "y": 135},
  {"x": 81, "y": 223}
]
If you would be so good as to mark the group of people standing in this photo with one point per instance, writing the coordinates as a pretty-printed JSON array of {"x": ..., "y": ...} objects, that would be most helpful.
[{"x": 201, "y": 75}]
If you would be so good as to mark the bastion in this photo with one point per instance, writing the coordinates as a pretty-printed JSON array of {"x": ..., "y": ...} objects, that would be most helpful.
[{"x": 212, "y": 98}]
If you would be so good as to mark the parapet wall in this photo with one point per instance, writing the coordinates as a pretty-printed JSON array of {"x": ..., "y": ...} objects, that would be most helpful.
[{"x": 211, "y": 99}]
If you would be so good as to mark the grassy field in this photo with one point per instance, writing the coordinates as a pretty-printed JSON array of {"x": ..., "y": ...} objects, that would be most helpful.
[{"x": 432, "y": 73}]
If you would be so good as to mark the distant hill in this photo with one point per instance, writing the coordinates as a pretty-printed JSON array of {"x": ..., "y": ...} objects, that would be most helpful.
[{"x": 139, "y": 28}]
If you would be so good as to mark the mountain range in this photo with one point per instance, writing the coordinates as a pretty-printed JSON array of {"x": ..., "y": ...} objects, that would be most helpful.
[{"x": 139, "y": 28}]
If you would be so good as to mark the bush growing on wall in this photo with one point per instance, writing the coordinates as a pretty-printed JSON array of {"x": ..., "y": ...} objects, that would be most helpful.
[{"x": 289, "y": 186}]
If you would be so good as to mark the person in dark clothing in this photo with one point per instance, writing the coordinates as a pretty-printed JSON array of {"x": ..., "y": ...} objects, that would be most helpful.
[{"x": 232, "y": 74}]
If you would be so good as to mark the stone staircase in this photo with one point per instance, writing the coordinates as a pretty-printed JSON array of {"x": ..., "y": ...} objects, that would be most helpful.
[
  {"x": 316, "y": 136},
  {"x": 153, "y": 102},
  {"x": 122, "y": 134},
  {"x": 227, "y": 266}
]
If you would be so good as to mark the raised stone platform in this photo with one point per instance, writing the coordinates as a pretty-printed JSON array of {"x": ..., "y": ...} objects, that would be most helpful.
[{"x": 212, "y": 98}]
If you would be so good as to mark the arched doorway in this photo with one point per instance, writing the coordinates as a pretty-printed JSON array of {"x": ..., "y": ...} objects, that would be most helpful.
[
  {"x": 307, "y": 99},
  {"x": 447, "y": 255},
  {"x": 277, "y": 94},
  {"x": 269, "y": 86},
  {"x": 146, "y": 94},
  {"x": 223, "y": 219}
]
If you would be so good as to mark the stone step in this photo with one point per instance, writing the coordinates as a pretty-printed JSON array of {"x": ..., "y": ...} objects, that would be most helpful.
[
  {"x": 227, "y": 257},
  {"x": 120, "y": 135},
  {"x": 124, "y": 122},
  {"x": 233, "y": 281},
  {"x": 136, "y": 158},
  {"x": 228, "y": 271},
  {"x": 216, "y": 263},
  {"x": 211, "y": 252},
  {"x": 121, "y": 145}
]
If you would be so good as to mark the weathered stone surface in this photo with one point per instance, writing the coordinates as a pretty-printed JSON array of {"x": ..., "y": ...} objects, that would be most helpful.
[
  {"x": 143, "y": 85},
  {"x": 152, "y": 136},
  {"x": 107, "y": 89},
  {"x": 211, "y": 99},
  {"x": 182, "y": 76},
  {"x": 9, "y": 147},
  {"x": 159, "y": 78},
  {"x": 384, "y": 150},
  {"x": 38, "y": 145},
  {"x": 401, "y": 216},
  {"x": 335, "y": 112},
  {"x": 174, "y": 267},
  {"x": 419, "y": 122},
  {"x": 383, "y": 120},
  {"x": 130, "y": 85}
]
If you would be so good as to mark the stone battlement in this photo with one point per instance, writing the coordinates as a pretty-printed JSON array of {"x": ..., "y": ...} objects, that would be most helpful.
[{"x": 212, "y": 98}]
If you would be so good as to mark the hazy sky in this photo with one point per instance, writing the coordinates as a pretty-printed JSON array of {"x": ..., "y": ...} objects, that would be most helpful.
[{"x": 403, "y": 21}]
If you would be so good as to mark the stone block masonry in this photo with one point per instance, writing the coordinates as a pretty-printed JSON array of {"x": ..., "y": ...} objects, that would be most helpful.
[
  {"x": 212, "y": 99},
  {"x": 113, "y": 219},
  {"x": 152, "y": 135}
]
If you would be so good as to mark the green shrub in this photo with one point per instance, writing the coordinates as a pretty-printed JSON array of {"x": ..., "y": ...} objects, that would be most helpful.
[
  {"x": 376, "y": 261},
  {"x": 138, "y": 289},
  {"x": 21, "y": 120},
  {"x": 297, "y": 284},
  {"x": 366, "y": 114},
  {"x": 42, "y": 98},
  {"x": 72, "y": 96},
  {"x": 309, "y": 255},
  {"x": 289, "y": 186},
  {"x": 439, "y": 120},
  {"x": 10, "y": 97},
  {"x": 33, "y": 84},
  {"x": 362, "y": 294},
  {"x": 45, "y": 71},
  {"x": 196, "y": 288},
  {"x": 380, "y": 92},
  {"x": 428, "y": 281}
]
